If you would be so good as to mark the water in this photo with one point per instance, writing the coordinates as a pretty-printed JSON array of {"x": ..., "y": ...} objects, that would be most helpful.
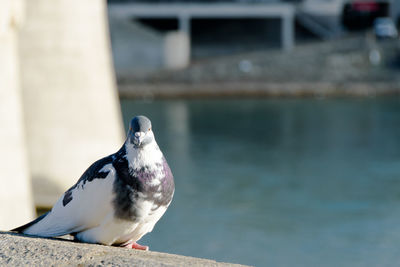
[{"x": 280, "y": 182}]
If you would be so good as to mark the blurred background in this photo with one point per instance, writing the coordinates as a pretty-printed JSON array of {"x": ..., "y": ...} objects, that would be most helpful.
[{"x": 280, "y": 119}]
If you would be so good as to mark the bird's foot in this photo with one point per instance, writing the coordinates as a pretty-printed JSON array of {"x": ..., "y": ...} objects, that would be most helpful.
[{"x": 135, "y": 245}]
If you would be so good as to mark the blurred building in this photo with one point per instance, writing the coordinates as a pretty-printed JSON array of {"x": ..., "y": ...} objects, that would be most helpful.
[
  {"x": 212, "y": 28},
  {"x": 139, "y": 40}
]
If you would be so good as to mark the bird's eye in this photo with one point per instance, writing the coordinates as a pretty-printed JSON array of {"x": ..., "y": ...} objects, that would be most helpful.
[
  {"x": 149, "y": 129},
  {"x": 130, "y": 129}
]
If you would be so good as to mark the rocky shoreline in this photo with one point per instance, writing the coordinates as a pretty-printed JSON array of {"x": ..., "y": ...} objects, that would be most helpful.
[
  {"x": 251, "y": 90},
  {"x": 335, "y": 68}
]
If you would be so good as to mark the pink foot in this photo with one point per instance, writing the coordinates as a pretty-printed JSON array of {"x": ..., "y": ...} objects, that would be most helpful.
[{"x": 135, "y": 245}]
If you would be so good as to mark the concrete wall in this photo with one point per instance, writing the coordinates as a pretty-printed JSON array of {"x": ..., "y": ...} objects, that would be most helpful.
[
  {"x": 136, "y": 48},
  {"x": 15, "y": 191},
  {"x": 395, "y": 10},
  {"x": 70, "y": 99}
]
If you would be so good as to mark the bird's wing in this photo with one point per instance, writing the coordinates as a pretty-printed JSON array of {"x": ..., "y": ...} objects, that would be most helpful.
[{"x": 83, "y": 206}]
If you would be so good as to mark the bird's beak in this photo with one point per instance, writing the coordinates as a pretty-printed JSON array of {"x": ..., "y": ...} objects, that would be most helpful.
[{"x": 138, "y": 138}]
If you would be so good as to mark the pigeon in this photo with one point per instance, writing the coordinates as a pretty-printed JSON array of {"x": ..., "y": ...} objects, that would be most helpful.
[{"x": 118, "y": 199}]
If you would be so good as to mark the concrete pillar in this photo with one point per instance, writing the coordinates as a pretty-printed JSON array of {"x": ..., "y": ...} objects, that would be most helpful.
[
  {"x": 395, "y": 10},
  {"x": 71, "y": 104},
  {"x": 16, "y": 205},
  {"x": 177, "y": 50},
  {"x": 287, "y": 32},
  {"x": 184, "y": 24}
]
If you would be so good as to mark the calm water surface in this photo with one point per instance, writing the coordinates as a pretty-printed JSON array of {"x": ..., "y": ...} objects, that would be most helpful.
[{"x": 280, "y": 182}]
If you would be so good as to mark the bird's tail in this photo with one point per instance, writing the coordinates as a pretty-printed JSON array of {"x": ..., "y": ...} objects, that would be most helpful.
[{"x": 22, "y": 228}]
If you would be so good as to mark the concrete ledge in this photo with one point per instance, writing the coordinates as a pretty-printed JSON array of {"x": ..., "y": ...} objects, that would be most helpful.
[{"x": 20, "y": 250}]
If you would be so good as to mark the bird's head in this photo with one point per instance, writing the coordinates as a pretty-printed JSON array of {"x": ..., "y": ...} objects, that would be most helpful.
[{"x": 140, "y": 133}]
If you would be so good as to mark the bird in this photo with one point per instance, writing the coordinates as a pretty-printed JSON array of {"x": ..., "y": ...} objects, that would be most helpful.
[{"x": 118, "y": 199}]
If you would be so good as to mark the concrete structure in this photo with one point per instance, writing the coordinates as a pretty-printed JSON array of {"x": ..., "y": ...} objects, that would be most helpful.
[
  {"x": 70, "y": 99},
  {"x": 186, "y": 12},
  {"x": 18, "y": 250},
  {"x": 135, "y": 47},
  {"x": 395, "y": 10},
  {"x": 321, "y": 17},
  {"x": 15, "y": 191},
  {"x": 176, "y": 50},
  {"x": 140, "y": 49}
]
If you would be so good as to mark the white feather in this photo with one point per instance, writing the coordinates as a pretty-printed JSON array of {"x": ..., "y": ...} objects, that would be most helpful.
[
  {"x": 89, "y": 206},
  {"x": 148, "y": 155}
]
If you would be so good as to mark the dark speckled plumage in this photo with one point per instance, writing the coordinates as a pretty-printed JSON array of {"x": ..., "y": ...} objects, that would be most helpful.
[
  {"x": 93, "y": 172},
  {"x": 129, "y": 183}
]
